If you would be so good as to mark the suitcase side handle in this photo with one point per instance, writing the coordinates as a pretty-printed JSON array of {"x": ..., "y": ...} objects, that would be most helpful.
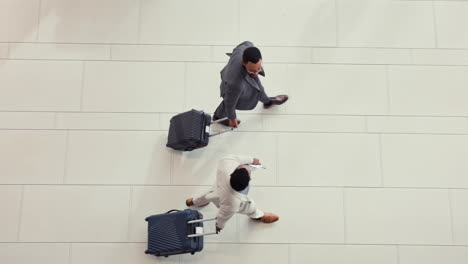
[{"x": 173, "y": 210}]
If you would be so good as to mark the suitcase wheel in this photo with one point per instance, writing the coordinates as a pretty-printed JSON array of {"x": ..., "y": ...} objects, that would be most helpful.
[
  {"x": 193, "y": 253},
  {"x": 166, "y": 256},
  {"x": 147, "y": 252}
]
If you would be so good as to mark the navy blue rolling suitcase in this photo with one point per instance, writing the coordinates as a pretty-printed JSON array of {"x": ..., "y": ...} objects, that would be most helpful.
[
  {"x": 190, "y": 130},
  {"x": 176, "y": 232}
]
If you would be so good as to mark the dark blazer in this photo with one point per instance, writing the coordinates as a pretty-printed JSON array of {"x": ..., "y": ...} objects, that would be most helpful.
[{"x": 238, "y": 89}]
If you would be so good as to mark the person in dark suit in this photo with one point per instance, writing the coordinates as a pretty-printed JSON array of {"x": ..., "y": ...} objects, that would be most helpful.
[{"x": 241, "y": 88}]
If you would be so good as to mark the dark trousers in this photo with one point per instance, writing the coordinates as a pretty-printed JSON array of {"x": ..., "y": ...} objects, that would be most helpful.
[{"x": 220, "y": 112}]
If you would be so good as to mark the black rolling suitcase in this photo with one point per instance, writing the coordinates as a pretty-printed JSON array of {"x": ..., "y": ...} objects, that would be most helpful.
[
  {"x": 191, "y": 130},
  {"x": 176, "y": 232}
]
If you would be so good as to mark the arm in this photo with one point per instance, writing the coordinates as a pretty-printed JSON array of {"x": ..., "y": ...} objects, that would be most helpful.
[
  {"x": 241, "y": 159},
  {"x": 230, "y": 101}
]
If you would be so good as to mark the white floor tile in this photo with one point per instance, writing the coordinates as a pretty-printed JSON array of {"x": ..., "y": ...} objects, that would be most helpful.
[
  {"x": 398, "y": 24},
  {"x": 112, "y": 157},
  {"x": 10, "y": 205},
  {"x": 133, "y": 86},
  {"x": 27, "y": 120},
  {"x": 432, "y": 255},
  {"x": 425, "y": 161},
  {"x": 428, "y": 90},
  {"x": 459, "y": 202},
  {"x": 161, "y": 53},
  {"x": 449, "y": 16},
  {"x": 59, "y": 51},
  {"x": 186, "y": 22},
  {"x": 307, "y": 215},
  {"x": 286, "y": 54},
  {"x": 23, "y": 14},
  {"x": 336, "y": 89},
  {"x": 75, "y": 214},
  {"x": 314, "y": 123},
  {"x": 22, "y": 253},
  {"x": 440, "y": 56},
  {"x": 40, "y": 85},
  {"x": 397, "y": 216},
  {"x": 87, "y": 21},
  {"x": 31, "y": 157},
  {"x": 301, "y": 23},
  {"x": 110, "y": 121},
  {"x": 400, "y": 124},
  {"x": 328, "y": 160},
  {"x": 240, "y": 253},
  {"x": 362, "y": 55},
  {"x": 106, "y": 253},
  {"x": 202, "y": 86},
  {"x": 342, "y": 254},
  {"x": 199, "y": 166},
  {"x": 3, "y": 50}
]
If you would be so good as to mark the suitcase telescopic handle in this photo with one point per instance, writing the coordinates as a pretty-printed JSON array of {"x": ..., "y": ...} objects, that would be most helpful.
[
  {"x": 199, "y": 221},
  {"x": 221, "y": 132}
]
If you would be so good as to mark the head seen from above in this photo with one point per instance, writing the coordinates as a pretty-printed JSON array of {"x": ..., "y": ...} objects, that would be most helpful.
[
  {"x": 240, "y": 178},
  {"x": 252, "y": 61}
]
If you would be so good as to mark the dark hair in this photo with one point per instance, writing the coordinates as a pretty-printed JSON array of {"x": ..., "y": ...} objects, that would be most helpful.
[
  {"x": 240, "y": 179},
  {"x": 251, "y": 54}
]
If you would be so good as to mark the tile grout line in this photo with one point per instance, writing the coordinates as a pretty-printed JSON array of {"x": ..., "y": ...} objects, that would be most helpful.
[
  {"x": 343, "y": 197},
  {"x": 171, "y": 170},
  {"x": 366, "y": 124},
  {"x": 312, "y": 55},
  {"x": 83, "y": 70},
  {"x": 256, "y": 186},
  {"x": 239, "y": 6},
  {"x": 56, "y": 120},
  {"x": 246, "y": 114},
  {"x": 337, "y": 41},
  {"x": 8, "y": 50},
  {"x": 289, "y": 253},
  {"x": 185, "y": 85},
  {"x": 38, "y": 19},
  {"x": 233, "y": 44},
  {"x": 434, "y": 16},
  {"x": 387, "y": 86},
  {"x": 450, "y": 201},
  {"x": 277, "y": 158},
  {"x": 65, "y": 166},
  {"x": 398, "y": 254},
  {"x": 219, "y": 62},
  {"x": 70, "y": 250},
  {"x": 140, "y": 7},
  {"x": 130, "y": 205},
  {"x": 382, "y": 181},
  {"x": 235, "y": 243},
  {"x": 20, "y": 216},
  {"x": 111, "y": 47},
  {"x": 247, "y": 131}
]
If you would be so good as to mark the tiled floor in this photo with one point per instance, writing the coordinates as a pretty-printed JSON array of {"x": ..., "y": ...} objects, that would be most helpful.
[{"x": 367, "y": 162}]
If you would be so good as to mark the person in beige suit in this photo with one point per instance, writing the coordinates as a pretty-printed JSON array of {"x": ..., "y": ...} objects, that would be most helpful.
[{"x": 229, "y": 193}]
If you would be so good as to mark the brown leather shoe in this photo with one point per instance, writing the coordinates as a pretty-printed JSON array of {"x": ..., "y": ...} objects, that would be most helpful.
[
  {"x": 268, "y": 218},
  {"x": 225, "y": 122},
  {"x": 277, "y": 100},
  {"x": 189, "y": 202}
]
